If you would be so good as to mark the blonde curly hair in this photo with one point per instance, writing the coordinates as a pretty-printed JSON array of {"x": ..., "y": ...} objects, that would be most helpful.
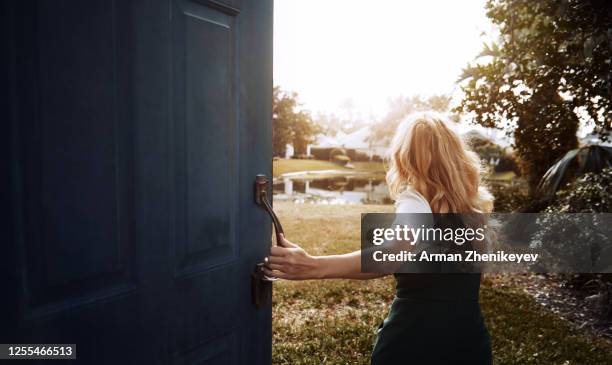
[{"x": 429, "y": 157}]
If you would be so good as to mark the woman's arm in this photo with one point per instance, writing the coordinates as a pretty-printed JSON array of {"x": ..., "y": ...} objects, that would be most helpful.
[{"x": 291, "y": 262}]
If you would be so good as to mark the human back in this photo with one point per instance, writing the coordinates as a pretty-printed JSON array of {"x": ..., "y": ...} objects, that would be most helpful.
[
  {"x": 436, "y": 312},
  {"x": 435, "y": 317}
]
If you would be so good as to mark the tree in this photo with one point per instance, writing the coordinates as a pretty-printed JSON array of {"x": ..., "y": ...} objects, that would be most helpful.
[
  {"x": 489, "y": 151},
  {"x": 383, "y": 131},
  {"x": 486, "y": 149},
  {"x": 290, "y": 124},
  {"x": 549, "y": 66}
]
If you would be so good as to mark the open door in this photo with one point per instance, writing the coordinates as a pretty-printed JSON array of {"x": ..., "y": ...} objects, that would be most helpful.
[{"x": 136, "y": 129}]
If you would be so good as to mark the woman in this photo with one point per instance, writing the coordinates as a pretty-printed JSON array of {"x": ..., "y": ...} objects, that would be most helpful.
[{"x": 435, "y": 318}]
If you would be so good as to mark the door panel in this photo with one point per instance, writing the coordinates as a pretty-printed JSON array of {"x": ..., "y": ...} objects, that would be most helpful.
[
  {"x": 205, "y": 126},
  {"x": 136, "y": 130},
  {"x": 219, "y": 351},
  {"x": 74, "y": 250},
  {"x": 76, "y": 159}
]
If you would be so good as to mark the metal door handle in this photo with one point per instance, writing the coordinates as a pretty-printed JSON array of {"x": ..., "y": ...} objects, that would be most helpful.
[
  {"x": 261, "y": 199},
  {"x": 261, "y": 284}
]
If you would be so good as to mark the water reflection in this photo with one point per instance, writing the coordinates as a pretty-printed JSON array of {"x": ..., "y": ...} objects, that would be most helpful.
[{"x": 332, "y": 190}]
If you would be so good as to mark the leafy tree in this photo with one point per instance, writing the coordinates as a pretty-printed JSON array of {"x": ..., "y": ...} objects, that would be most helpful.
[
  {"x": 550, "y": 64},
  {"x": 485, "y": 148},
  {"x": 330, "y": 124},
  {"x": 383, "y": 131},
  {"x": 290, "y": 124},
  {"x": 488, "y": 150}
]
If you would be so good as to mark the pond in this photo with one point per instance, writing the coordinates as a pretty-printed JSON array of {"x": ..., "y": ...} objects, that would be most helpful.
[
  {"x": 357, "y": 188},
  {"x": 345, "y": 189}
]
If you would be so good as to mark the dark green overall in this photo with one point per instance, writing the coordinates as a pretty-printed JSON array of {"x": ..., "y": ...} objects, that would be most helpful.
[{"x": 434, "y": 319}]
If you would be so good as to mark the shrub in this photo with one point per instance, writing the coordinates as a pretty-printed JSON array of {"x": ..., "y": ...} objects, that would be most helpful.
[
  {"x": 591, "y": 193},
  {"x": 335, "y": 152},
  {"x": 361, "y": 157},
  {"x": 509, "y": 197},
  {"x": 507, "y": 163},
  {"x": 320, "y": 153},
  {"x": 325, "y": 153},
  {"x": 302, "y": 157},
  {"x": 341, "y": 159}
]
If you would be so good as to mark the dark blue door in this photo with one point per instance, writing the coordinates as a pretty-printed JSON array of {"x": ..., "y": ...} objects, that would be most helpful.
[{"x": 135, "y": 131}]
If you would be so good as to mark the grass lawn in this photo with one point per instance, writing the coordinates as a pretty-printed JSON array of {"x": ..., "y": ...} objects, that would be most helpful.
[
  {"x": 333, "y": 322},
  {"x": 506, "y": 175},
  {"x": 283, "y": 166}
]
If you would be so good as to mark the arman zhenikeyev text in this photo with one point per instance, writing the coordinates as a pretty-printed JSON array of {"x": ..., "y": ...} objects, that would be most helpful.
[{"x": 469, "y": 256}]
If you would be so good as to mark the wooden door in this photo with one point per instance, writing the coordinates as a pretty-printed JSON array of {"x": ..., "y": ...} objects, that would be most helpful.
[{"x": 135, "y": 131}]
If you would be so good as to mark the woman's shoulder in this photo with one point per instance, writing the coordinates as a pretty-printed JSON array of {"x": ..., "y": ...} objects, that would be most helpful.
[{"x": 410, "y": 201}]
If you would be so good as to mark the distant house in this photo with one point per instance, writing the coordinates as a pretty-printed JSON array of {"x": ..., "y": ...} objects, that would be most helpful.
[
  {"x": 357, "y": 141},
  {"x": 289, "y": 151},
  {"x": 496, "y": 136}
]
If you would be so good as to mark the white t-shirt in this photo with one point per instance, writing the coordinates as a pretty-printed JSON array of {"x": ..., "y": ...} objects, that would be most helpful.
[{"x": 410, "y": 201}]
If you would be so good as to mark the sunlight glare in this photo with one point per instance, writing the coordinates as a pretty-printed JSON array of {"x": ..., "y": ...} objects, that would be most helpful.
[{"x": 367, "y": 52}]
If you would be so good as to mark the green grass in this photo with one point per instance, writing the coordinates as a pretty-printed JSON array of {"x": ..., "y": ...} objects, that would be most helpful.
[
  {"x": 333, "y": 322},
  {"x": 506, "y": 175},
  {"x": 369, "y": 166},
  {"x": 283, "y": 166}
]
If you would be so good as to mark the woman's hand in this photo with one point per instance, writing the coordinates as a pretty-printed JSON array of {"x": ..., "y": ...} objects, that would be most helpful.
[{"x": 290, "y": 261}]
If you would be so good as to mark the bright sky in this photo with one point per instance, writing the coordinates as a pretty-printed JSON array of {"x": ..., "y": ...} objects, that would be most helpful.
[{"x": 367, "y": 52}]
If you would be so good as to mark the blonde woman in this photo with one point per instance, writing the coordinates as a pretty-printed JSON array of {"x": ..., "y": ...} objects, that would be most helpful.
[{"x": 435, "y": 318}]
